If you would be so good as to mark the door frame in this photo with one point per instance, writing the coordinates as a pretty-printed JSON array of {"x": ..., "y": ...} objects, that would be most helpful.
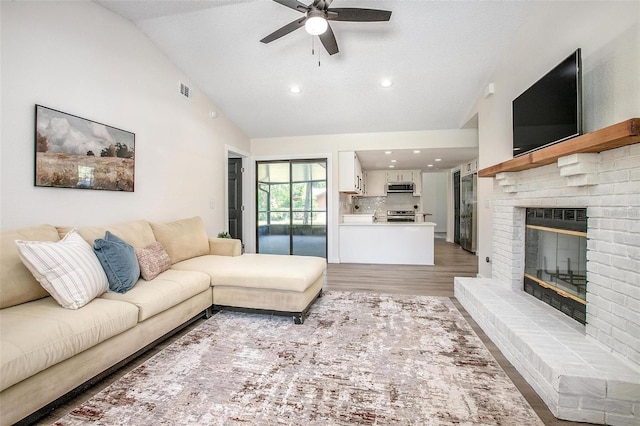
[
  {"x": 248, "y": 221},
  {"x": 332, "y": 225}
]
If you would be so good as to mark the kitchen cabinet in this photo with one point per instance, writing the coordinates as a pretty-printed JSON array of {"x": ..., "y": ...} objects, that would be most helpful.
[
  {"x": 395, "y": 176},
  {"x": 350, "y": 179},
  {"x": 469, "y": 168},
  {"x": 374, "y": 183},
  {"x": 417, "y": 184},
  {"x": 387, "y": 243},
  {"x": 415, "y": 176}
]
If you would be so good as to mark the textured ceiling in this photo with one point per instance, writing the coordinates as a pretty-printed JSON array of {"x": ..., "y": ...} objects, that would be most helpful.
[{"x": 439, "y": 55}]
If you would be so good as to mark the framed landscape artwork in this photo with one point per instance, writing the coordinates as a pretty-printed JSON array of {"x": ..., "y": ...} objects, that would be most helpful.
[{"x": 73, "y": 152}]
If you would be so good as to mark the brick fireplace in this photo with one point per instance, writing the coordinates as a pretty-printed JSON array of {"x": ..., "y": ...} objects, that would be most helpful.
[
  {"x": 585, "y": 372},
  {"x": 555, "y": 258}
]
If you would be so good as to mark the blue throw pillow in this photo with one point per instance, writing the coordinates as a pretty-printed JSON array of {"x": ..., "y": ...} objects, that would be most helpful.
[{"x": 119, "y": 261}]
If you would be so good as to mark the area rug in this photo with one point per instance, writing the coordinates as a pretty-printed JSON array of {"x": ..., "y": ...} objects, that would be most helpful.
[{"x": 359, "y": 358}]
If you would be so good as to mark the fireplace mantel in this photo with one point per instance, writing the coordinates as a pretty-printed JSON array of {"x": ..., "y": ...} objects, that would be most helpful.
[{"x": 621, "y": 134}]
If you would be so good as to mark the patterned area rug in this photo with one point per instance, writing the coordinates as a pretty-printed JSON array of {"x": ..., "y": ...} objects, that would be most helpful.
[{"x": 358, "y": 359}]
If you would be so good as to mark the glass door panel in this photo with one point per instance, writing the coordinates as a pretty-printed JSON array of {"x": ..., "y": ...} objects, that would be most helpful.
[
  {"x": 274, "y": 208},
  {"x": 292, "y": 207}
]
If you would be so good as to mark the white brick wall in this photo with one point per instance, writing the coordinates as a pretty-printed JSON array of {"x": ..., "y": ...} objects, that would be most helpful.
[{"x": 611, "y": 194}]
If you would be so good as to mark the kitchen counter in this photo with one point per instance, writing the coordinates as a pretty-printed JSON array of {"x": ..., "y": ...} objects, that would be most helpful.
[
  {"x": 431, "y": 224},
  {"x": 404, "y": 243}
]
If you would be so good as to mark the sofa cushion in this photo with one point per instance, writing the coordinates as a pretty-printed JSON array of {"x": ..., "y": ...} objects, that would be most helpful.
[
  {"x": 68, "y": 269},
  {"x": 138, "y": 233},
  {"x": 292, "y": 273},
  {"x": 17, "y": 283},
  {"x": 153, "y": 260},
  {"x": 119, "y": 261},
  {"x": 169, "y": 289},
  {"x": 39, "y": 334},
  {"x": 182, "y": 239}
]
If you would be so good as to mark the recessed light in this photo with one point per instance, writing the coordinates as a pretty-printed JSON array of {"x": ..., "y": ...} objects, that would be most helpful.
[
  {"x": 387, "y": 152},
  {"x": 438, "y": 159},
  {"x": 386, "y": 83},
  {"x": 417, "y": 151},
  {"x": 295, "y": 89},
  {"x": 391, "y": 166},
  {"x": 394, "y": 161}
]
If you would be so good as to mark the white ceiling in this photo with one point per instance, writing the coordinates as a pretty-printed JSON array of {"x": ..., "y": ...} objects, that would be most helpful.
[{"x": 439, "y": 55}]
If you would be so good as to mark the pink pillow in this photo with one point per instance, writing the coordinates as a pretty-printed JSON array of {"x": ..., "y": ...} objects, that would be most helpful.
[{"x": 153, "y": 260}]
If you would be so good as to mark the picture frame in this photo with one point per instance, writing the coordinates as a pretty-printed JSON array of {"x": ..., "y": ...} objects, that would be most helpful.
[{"x": 74, "y": 152}]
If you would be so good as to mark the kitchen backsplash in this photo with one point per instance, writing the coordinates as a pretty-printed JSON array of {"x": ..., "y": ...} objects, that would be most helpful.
[{"x": 380, "y": 205}]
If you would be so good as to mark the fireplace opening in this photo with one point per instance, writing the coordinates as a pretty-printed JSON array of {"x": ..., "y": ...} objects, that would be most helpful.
[{"x": 555, "y": 267}]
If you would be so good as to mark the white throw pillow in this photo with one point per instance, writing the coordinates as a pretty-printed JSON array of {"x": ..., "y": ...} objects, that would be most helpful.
[{"x": 68, "y": 269}]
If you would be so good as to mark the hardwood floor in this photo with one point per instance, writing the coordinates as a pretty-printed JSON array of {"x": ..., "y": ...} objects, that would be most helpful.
[
  {"x": 437, "y": 280},
  {"x": 450, "y": 260}
]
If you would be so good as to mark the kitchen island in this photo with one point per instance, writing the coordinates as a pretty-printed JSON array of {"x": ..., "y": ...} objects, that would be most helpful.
[{"x": 387, "y": 243}]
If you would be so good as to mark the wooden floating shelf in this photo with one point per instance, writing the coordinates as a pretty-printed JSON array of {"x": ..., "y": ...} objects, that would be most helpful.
[{"x": 621, "y": 134}]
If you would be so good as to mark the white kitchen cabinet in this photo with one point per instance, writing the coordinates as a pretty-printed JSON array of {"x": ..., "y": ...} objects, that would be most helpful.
[
  {"x": 374, "y": 183},
  {"x": 387, "y": 243},
  {"x": 394, "y": 176},
  {"x": 415, "y": 176},
  {"x": 469, "y": 168},
  {"x": 417, "y": 183},
  {"x": 350, "y": 178}
]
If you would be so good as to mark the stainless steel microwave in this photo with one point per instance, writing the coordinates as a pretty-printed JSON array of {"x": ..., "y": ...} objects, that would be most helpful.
[{"x": 399, "y": 187}]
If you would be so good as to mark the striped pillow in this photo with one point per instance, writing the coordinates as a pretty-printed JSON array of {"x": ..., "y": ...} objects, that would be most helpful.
[{"x": 68, "y": 269}]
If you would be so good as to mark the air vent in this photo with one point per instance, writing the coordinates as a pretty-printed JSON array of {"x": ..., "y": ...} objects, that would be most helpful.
[{"x": 185, "y": 90}]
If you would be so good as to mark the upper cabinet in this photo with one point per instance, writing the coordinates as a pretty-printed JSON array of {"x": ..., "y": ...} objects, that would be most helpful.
[
  {"x": 375, "y": 182},
  {"x": 469, "y": 167},
  {"x": 350, "y": 179},
  {"x": 394, "y": 176},
  {"x": 417, "y": 183},
  {"x": 403, "y": 176}
]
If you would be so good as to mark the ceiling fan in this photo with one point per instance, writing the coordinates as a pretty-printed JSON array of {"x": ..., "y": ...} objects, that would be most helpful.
[{"x": 316, "y": 20}]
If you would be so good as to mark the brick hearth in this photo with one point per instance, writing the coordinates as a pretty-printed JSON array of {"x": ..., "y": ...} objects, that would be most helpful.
[{"x": 583, "y": 373}]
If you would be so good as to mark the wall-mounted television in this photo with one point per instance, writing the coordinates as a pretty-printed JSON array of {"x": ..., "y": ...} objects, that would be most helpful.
[{"x": 549, "y": 111}]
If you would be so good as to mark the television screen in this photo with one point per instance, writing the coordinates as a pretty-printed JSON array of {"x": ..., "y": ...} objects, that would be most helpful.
[{"x": 550, "y": 111}]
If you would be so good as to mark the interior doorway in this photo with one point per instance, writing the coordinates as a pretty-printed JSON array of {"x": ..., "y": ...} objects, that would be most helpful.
[
  {"x": 291, "y": 199},
  {"x": 234, "y": 201}
]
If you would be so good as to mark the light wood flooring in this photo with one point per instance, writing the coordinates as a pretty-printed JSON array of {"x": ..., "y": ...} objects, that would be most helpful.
[{"x": 437, "y": 280}]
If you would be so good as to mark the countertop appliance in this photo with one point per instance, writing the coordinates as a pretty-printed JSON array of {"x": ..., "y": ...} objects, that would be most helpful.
[
  {"x": 401, "y": 216},
  {"x": 400, "y": 187}
]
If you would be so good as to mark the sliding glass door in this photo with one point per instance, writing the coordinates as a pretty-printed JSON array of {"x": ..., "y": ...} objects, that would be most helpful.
[{"x": 292, "y": 207}]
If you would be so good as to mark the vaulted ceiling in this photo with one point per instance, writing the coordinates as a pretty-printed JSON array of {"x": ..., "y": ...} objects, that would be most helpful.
[{"x": 438, "y": 54}]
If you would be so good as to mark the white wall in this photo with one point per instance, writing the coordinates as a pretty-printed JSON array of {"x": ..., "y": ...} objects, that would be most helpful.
[
  {"x": 608, "y": 34},
  {"x": 79, "y": 58},
  {"x": 332, "y": 144},
  {"x": 434, "y": 199}
]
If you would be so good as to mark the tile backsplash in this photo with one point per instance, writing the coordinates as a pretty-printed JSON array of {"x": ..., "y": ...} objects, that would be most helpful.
[{"x": 380, "y": 205}]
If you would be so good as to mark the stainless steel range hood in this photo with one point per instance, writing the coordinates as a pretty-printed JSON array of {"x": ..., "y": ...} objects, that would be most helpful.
[{"x": 400, "y": 187}]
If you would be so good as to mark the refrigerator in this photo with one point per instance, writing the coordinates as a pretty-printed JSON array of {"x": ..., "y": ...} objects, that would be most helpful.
[{"x": 468, "y": 212}]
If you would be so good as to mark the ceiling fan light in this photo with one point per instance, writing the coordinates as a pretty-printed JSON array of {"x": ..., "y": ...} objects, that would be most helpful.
[{"x": 316, "y": 25}]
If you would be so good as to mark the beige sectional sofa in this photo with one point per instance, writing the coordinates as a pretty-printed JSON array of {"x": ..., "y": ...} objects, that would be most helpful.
[{"x": 47, "y": 351}]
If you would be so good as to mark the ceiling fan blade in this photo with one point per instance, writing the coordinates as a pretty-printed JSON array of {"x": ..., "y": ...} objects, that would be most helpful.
[
  {"x": 294, "y": 4},
  {"x": 322, "y": 4},
  {"x": 353, "y": 14},
  {"x": 290, "y": 27},
  {"x": 329, "y": 42}
]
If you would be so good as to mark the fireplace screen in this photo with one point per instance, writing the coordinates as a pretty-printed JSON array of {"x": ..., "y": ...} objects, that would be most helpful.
[{"x": 556, "y": 259}]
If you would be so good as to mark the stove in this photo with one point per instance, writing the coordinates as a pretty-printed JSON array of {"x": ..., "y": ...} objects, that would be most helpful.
[{"x": 401, "y": 216}]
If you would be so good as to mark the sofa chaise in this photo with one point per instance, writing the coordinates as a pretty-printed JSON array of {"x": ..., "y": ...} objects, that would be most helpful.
[{"x": 46, "y": 351}]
